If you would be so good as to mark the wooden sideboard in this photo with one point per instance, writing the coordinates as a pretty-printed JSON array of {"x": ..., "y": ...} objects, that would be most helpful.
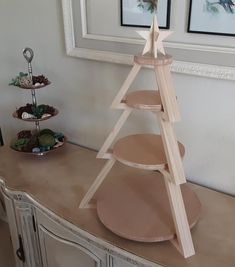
[{"x": 42, "y": 196}]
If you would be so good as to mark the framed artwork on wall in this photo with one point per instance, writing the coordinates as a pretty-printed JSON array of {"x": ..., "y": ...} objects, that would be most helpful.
[
  {"x": 212, "y": 17},
  {"x": 87, "y": 36},
  {"x": 139, "y": 13}
]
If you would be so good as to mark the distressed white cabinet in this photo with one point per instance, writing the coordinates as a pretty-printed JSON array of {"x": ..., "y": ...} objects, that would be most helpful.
[
  {"x": 23, "y": 230},
  {"x": 40, "y": 240},
  {"x": 27, "y": 231},
  {"x": 14, "y": 230},
  {"x": 48, "y": 229},
  {"x": 60, "y": 247}
]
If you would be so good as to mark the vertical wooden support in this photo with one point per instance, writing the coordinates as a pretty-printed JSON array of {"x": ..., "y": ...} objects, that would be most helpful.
[
  {"x": 126, "y": 85},
  {"x": 96, "y": 184},
  {"x": 108, "y": 142},
  {"x": 163, "y": 75},
  {"x": 172, "y": 151},
  {"x": 184, "y": 239}
]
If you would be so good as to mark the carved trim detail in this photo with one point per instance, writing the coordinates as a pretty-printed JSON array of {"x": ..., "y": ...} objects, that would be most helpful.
[{"x": 204, "y": 70}]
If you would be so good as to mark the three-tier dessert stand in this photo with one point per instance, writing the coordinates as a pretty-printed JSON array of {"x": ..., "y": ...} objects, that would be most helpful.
[{"x": 37, "y": 142}]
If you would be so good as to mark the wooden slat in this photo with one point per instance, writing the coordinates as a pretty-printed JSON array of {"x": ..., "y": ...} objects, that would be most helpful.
[
  {"x": 184, "y": 239},
  {"x": 96, "y": 184},
  {"x": 108, "y": 142},
  {"x": 167, "y": 92},
  {"x": 137, "y": 207},
  {"x": 126, "y": 85},
  {"x": 150, "y": 60},
  {"x": 172, "y": 151}
]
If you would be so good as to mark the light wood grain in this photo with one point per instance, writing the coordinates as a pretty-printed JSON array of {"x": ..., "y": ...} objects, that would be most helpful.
[
  {"x": 144, "y": 151},
  {"x": 96, "y": 184},
  {"x": 172, "y": 152},
  {"x": 167, "y": 92},
  {"x": 126, "y": 85},
  {"x": 114, "y": 132},
  {"x": 137, "y": 208},
  {"x": 149, "y": 59},
  {"x": 181, "y": 222},
  {"x": 144, "y": 99}
]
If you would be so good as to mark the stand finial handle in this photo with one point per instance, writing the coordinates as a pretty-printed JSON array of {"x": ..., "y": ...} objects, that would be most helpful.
[{"x": 28, "y": 54}]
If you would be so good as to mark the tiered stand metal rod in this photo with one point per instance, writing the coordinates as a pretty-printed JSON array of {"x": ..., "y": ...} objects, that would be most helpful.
[{"x": 29, "y": 54}]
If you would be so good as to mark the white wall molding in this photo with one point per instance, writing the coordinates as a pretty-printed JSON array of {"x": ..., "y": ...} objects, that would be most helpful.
[
  {"x": 204, "y": 70},
  {"x": 190, "y": 68}
]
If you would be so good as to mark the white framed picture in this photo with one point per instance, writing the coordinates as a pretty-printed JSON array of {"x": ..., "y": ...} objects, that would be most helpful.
[
  {"x": 212, "y": 17},
  {"x": 139, "y": 13}
]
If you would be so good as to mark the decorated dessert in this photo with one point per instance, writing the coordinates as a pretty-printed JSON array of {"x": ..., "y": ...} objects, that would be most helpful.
[
  {"x": 38, "y": 142},
  {"x": 24, "y": 80},
  {"x": 32, "y": 112}
]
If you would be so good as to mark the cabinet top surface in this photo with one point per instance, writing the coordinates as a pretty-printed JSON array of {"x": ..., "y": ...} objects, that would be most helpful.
[{"x": 59, "y": 181}]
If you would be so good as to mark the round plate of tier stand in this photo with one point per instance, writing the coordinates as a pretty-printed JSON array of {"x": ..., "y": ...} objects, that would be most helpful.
[
  {"x": 15, "y": 115},
  {"x": 143, "y": 151},
  {"x": 57, "y": 146},
  {"x": 136, "y": 207},
  {"x": 34, "y": 87},
  {"x": 144, "y": 100}
]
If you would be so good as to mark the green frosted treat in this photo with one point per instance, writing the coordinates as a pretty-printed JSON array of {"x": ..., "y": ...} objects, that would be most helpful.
[
  {"x": 46, "y": 140},
  {"x": 20, "y": 143},
  {"x": 46, "y": 131}
]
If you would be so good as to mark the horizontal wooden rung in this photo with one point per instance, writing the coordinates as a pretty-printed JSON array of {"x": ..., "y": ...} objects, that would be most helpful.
[
  {"x": 145, "y": 99},
  {"x": 149, "y": 59}
]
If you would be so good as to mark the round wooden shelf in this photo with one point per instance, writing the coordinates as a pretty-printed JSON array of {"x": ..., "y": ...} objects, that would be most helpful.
[
  {"x": 151, "y": 60},
  {"x": 146, "y": 99},
  {"x": 144, "y": 151},
  {"x": 35, "y": 120},
  {"x": 137, "y": 208}
]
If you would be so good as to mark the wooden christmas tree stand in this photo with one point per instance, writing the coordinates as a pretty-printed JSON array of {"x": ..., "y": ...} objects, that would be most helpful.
[{"x": 157, "y": 206}]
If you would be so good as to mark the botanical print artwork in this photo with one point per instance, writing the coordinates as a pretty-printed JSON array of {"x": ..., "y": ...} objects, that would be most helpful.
[
  {"x": 149, "y": 5},
  {"x": 139, "y": 13},
  {"x": 212, "y": 17},
  {"x": 216, "y": 7}
]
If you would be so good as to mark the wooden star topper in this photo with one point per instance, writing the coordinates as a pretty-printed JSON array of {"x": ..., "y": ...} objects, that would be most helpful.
[{"x": 154, "y": 39}]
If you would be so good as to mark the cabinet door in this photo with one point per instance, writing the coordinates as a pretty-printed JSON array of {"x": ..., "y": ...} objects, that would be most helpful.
[
  {"x": 13, "y": 228},
  {"x": 62, "y": 248},
  {"x": 28, "y": 232}
]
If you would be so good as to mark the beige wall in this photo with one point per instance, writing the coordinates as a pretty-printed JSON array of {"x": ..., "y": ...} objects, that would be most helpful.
[{"x": 83, "y": 91}]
